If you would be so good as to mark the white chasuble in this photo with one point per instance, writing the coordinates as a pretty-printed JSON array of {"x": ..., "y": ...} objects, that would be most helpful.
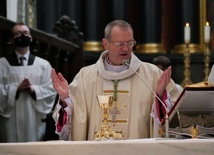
[
  {"x": 119, "y": 111},
  {"x": 130, "y": 114}
]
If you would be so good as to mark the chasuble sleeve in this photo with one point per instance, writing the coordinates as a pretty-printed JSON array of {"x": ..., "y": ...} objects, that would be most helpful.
[
  {"x": 79, "y": 116},
  {"x": 62, "y": 117},
  {"x": 158, "y": 111},
  {"x": 83, "y": 90}
]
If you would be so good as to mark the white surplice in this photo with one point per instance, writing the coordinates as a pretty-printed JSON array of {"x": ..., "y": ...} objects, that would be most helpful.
[{"x": 20, "y": 120}]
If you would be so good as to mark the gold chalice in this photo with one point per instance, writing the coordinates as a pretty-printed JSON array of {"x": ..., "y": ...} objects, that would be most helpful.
[{"x": 105, "y": 102}]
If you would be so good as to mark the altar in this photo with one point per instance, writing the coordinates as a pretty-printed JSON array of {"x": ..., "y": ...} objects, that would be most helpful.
[{"x": 116, "y": 147}]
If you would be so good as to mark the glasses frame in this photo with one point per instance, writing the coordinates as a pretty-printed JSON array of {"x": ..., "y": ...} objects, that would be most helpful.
[{"x": 121, "y": 44}]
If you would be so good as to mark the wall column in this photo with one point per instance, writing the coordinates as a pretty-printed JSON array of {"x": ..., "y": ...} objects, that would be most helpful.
[
  {"x": 150, "y": 15},
  {"x": 47, "y": 15},
  {"x": 94, "y": 26},
  {"x": 119, "y": 9}
]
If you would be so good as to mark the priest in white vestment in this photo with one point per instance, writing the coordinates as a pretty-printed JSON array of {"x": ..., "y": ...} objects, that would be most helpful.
[
  {"x": 26, "y": 91},
  {"x": 78, "y": 115}
]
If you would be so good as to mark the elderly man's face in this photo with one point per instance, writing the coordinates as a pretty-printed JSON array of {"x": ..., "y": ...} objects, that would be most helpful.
[{"x": 120, "y": 45}]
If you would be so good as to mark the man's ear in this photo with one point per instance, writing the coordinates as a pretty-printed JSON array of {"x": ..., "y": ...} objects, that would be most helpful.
[{"x": 105, "y": 43}]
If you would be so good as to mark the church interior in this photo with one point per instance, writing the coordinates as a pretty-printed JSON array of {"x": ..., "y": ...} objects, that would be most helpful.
[
  {"x": 68, "y": 33},
  {"x": 75, "y": 29}
]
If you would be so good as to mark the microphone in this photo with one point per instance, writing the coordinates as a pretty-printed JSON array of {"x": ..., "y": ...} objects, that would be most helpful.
[{"x": 126, "y": 63}]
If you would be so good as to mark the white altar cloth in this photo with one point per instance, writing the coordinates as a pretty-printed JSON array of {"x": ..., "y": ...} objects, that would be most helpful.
[{"x": 117, "y": 147}]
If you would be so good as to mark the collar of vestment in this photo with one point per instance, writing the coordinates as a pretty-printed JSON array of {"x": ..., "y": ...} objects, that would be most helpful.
[
  {"x": 113, "y": 68},
  {"x": 135, "y": 63}
]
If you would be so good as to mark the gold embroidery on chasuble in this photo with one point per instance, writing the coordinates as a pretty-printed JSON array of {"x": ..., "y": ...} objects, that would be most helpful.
[{"x": 118, "y": 113}]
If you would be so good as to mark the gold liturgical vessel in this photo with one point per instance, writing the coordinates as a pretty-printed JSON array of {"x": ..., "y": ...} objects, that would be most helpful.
[{"x": 105, "y": 133}]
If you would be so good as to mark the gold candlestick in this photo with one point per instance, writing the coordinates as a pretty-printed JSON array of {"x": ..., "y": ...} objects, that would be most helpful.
[
  {"x": 187, "y": 70},
  {"x": 206, "y": 61}
]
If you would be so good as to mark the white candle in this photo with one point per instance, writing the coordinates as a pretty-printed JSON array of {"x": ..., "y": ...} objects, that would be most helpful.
[
  {"x": 187, "y": 33},
  {"x": 207, "y": 32}
]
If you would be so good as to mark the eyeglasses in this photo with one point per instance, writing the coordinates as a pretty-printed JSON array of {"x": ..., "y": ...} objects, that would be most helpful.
[{"x": 130, "y": 43}]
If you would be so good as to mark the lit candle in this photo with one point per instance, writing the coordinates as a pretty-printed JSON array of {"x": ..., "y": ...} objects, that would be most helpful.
[
  {"x": 207, "y": 32},
  {"x": 187, "y": 33}
]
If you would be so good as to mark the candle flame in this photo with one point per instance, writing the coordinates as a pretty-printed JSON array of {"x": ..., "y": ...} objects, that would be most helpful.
[
  {"x": 207, "y": 23},
  {"x": 187, "y": 24}
]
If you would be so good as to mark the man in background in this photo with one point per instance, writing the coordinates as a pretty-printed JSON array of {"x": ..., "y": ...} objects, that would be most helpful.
[{"x": 26, "y": 91}]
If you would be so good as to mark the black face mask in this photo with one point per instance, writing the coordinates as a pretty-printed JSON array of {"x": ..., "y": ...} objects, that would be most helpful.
[{"x": 22, "y": 41}]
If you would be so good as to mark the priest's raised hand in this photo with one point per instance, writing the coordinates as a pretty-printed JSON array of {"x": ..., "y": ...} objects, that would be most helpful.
[
  {"x": 163, "y": 81},
  {"x": 60, "y": 84}
]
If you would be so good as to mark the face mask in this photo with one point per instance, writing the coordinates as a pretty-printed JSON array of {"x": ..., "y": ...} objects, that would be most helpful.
[{"x": 22, "y": 41}]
